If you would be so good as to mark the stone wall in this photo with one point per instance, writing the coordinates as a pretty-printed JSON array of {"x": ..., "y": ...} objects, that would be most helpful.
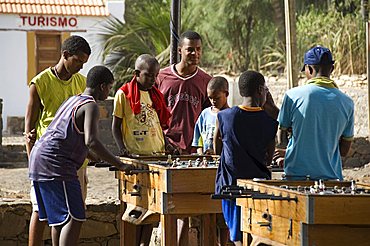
[
  {"x": 15, "y": 125},
  {"x": 101, "y": 228},
  {"x": 105, "y": 124}
]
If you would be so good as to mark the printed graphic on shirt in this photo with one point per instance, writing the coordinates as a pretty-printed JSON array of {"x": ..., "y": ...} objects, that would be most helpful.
[
  {"x": 146, "y": 119},
  {"x": 184, "y": 96}
]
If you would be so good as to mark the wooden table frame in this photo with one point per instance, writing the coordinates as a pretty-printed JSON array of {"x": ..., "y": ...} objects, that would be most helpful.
[
  {"x": 328, "y": 219},
  {"x": 173, "y": 193}
]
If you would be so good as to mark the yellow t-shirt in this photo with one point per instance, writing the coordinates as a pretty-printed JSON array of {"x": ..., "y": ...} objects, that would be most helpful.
[
  {"x": 53, "y": 92},
  {"x": 141, "y": 133}
]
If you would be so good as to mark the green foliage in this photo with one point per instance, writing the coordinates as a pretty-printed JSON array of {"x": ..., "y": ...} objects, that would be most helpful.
[
  {"x": 343, "y": 34},
  {"x": 237, "y": 35},
  {"x": 234, "y": 32},
  {"x": 146, "y": 32}
]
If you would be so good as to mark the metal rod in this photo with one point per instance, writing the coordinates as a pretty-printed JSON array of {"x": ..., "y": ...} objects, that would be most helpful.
[
  {"x": 175, "y": 27},
  {"x": 291, "y": 44}
]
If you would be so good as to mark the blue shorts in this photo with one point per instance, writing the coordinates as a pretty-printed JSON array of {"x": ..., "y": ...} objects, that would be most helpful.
[
  {"x": 58, "y": 201},
  {"x": 232, "y": 216}
]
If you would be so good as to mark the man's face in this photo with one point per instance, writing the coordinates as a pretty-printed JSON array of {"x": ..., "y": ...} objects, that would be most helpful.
[
  {"x": 146, "y": 76},
  {"x": 74, "y": 63},
  {"x": 191, "y": 51},
  {"x": 105, "y": 88}
]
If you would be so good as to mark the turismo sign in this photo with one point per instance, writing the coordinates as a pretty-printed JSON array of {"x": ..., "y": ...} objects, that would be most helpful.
[{"x": 47, "y": 22}]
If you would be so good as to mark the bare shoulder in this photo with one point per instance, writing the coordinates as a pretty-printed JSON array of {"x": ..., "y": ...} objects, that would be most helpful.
[{"x": 89, "y": 109}]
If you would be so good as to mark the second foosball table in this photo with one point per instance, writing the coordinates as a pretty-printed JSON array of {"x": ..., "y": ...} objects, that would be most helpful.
[
  {"x": 317, "y": 213},
  {"x": 173, "y": 188}
]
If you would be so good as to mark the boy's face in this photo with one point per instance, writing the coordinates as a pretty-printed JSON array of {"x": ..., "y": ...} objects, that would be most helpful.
[
  {"x": 74, "y": 63},
  {"x": 218, "y": 98},
  {"x": 264, "y": 90},
  {"x": 146, "y": 77},
  {"x": 191, "y": 51},
  {"x": 105, "y": 89}
]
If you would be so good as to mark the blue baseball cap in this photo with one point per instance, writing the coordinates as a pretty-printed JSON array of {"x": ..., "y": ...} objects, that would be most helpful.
[{"x": 314, "y": 55}]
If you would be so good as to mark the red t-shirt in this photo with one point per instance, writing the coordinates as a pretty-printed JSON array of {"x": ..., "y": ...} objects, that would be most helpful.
[{"x": 185, "y": 98}]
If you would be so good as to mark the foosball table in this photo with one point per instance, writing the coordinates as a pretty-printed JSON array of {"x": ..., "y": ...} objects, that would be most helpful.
[
  {"x": 172, "y": 187},
  {"x": 279, "y": 212}
]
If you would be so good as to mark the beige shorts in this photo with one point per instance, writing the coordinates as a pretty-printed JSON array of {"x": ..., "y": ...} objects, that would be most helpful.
[{"x": 82, "y": 177}]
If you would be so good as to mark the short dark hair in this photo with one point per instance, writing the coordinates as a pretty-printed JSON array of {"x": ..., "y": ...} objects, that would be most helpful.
[
  {"x": 249, "y": 82},
  {"x": 75, "y": 44},
  {"x": 218, "y": 83},
  {"x": 99, "y": 75},
  {"x": 325, "y": 64},
  {"x": 189, "y": 34},
  {"x": 146, "y": 60}
]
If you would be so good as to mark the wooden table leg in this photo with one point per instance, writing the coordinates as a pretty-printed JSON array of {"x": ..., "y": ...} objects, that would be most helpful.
[
  {"x": 127, "y": 230},
  {"x": 247, "y": 238},
  {"x": 169, "y": 230},
  {"x": 208, "y": 230}
]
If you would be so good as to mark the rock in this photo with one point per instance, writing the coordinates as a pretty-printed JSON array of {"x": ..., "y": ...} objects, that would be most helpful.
[
  {"x": 12, "y": 226},
  {"x": 363, "y": 149},
  {"x": 113, "y": 242},
  {"x": 93, "y": 228},
  {"x": 8, "y": 243},
  {"x": 352, "y": 162}
]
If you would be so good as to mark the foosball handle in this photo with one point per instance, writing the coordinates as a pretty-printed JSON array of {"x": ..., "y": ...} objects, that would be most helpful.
[
  {"x": 113, "y": 168},
  {"x": 223, "y": 196},
  {"x": 102, "y": 164}
]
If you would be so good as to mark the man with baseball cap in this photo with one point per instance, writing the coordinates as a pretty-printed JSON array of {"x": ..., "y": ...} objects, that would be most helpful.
[{"x": 320, "y": 121}]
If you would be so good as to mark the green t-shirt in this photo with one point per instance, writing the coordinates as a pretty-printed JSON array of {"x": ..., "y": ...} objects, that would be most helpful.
[{"x": 53, "y": 92}]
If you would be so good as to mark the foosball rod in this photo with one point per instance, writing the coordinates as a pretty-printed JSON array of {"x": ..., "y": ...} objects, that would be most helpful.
[{"x": 254, "y": 197}]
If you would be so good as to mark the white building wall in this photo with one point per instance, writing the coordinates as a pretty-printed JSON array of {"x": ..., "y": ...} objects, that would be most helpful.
[
  {"x": 13, "y": 65},
  {"x": 13, "y": 73}
]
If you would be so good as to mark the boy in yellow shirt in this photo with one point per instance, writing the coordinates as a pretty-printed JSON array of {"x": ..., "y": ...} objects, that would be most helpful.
[{"x": 139, "y": 117}]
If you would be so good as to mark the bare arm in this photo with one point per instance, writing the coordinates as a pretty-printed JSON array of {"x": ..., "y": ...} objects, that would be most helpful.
[
  {"x": 32, "y": 115},
  {"x": 200, "y": 151},
  {"x": 217, "y": 140},
  {"x": 89, "y": 113},
  {"x": 117, "y": 135},
  {"x": 344, "y": 146},
  {"x": 282, "y": 137},
  {"x": 270, "y": 152},
  {"x": 279, "y": 155}
]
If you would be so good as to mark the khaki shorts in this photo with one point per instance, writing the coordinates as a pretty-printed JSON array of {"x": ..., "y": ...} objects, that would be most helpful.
[{"x": 82, "y": 177}]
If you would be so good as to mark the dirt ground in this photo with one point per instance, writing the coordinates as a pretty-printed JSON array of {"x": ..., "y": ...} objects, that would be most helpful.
[{"x": 102, "y": 185}]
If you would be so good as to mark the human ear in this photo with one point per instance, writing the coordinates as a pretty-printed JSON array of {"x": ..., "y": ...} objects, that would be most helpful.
[
  {"x": 65, "y": 54},
  {"x": 310, "y": 69},
  {"x": 102, "y": 86}
]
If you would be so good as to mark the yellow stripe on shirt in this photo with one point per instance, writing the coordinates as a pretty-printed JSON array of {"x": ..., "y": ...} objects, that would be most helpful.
[
  {"x": 323, "y": 82},
  {"x": 250, "y": 109}
]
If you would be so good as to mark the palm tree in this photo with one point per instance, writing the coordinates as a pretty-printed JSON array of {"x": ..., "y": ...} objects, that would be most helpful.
[{"x": 146, "y": 31}]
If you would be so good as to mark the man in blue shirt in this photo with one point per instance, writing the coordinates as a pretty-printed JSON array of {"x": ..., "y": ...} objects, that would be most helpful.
[{"x": 319, "y": 120}]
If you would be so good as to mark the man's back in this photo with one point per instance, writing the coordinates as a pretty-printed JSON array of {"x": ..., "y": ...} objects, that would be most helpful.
[
  {"x": 319, "y": 117},
  {"x": 246, "y": 133},
  {"x": 62, "y": 139}
]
